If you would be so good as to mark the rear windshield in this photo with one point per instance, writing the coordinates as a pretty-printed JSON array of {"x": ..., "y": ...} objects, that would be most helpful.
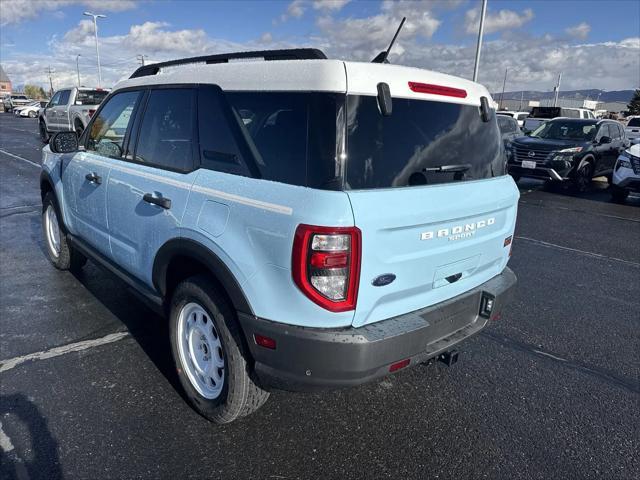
[
  {"x": 634, "y": 122},
  {"x": 91, "y": 97},
  {"x": 545, "y": 112},
  {"x": 421, "y": 142}
]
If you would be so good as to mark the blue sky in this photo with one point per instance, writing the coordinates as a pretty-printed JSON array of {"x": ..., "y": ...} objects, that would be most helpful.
[{"x": 596, "y": 44}]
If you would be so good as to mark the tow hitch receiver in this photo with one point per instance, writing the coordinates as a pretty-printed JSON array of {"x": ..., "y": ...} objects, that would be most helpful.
[{"x": 448, "y": 358}]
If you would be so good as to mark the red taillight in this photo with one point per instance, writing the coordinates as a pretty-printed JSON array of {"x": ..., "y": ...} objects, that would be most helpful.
[
  {"x": 394, "y": 367},
  {"x": 265, "y": 342},
  {"x": 91, "y": 112},
  {"x": 437, "y": 90},
  {"x": 326, "y": 265}
]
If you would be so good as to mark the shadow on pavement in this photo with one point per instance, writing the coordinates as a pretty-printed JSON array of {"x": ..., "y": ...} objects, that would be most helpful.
[{"x": 43, "y": 462}]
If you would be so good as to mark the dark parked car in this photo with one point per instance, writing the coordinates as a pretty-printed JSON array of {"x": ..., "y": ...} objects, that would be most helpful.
[{"x": 568, "y": 149}]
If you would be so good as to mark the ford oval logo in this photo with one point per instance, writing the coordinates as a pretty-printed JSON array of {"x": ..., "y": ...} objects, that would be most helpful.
[{"x": 384, "y": 279}]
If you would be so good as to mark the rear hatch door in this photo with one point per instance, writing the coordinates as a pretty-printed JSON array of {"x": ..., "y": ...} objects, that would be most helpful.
[{"x": 439, "y": 241}]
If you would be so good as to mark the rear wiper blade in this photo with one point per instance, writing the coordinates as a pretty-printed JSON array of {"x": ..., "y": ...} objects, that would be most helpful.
[{"x": 463, "y": 167}]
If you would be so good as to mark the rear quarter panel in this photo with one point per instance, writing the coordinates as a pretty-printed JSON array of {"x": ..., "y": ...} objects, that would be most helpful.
[{"x": 250, "y": 224}]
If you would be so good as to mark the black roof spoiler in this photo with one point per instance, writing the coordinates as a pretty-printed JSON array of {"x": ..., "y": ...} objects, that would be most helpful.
[{"x": 267, "y": 55}]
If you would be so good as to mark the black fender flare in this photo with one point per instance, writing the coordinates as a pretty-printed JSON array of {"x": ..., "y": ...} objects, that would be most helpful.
[
  {"x": 45, "y": 177},
  {"x": 195, "y": 250}
]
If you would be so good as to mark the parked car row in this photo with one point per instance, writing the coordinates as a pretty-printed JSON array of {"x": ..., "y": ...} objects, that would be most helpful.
[
  {"x": 573, "y": 150},
  {"x": 12, "y": 101}
]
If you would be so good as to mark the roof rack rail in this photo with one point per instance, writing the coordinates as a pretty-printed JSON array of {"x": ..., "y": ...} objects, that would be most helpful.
[{"x": 267, "y": 55}]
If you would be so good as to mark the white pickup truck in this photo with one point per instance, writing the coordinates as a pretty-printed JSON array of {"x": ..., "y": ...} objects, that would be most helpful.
[{"x": 70, "y": 109}]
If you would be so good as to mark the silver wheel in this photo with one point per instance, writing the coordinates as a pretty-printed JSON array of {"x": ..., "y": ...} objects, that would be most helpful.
[
  {"x": 52, "y": 231},
  {"x": 200, "y": 350}
]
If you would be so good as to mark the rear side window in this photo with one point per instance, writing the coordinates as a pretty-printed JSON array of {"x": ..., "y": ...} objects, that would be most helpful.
[
  {"x": 570, "y": 113},
  {"x": 292, "y": 135},
  {"x": 634, "y": 122},
  {"x": 167, "y": 135},
  {"x": 108, "y": 129},
  {"x": 409, "y": 146}
]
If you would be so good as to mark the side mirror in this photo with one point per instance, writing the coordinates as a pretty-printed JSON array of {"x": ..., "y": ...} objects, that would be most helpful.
[
  {"x": 64, "y": 142},
  {"x": 604, "y": 140}
]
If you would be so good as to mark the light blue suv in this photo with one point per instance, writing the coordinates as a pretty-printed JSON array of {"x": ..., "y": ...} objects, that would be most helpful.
[{"x": 303, "y": 222}]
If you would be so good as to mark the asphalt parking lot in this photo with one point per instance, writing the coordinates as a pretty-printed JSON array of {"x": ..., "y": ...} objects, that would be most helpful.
[{"x": 551, "y": 390}]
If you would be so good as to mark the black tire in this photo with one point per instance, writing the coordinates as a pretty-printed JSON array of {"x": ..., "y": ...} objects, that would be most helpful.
[
  {"x": 66, "y": 258},
  {"x": 79, "y": 129},
  {"x": 240, "y": 394},
  {"x": 619, "y": 194},
  {"x": 44, "y": 134},
  {"x": 582, "y": 177}
]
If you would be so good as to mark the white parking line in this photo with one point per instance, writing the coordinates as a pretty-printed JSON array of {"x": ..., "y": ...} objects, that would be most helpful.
[
  {"x": 590, "y": 254},
  {"x": 5, "y": 442},
  {"x": 23, "y": 159},
  {"x": 57, "y": 351}
]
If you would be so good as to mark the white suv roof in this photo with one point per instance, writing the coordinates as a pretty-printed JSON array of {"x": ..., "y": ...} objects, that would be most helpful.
[{"x": 313, "y": 75}]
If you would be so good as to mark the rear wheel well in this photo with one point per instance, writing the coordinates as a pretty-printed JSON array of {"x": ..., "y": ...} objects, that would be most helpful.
[{"x": 182, "y": 267}]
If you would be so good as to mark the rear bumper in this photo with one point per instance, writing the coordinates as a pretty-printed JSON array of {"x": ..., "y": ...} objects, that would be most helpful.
[{"x": 315, "y": 358}]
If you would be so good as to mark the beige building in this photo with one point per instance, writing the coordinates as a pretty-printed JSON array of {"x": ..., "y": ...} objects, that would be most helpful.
[{"x": 5, "y": 83}]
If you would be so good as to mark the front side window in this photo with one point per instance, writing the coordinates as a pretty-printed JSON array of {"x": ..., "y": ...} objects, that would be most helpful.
[
  {"x": 634, "y": 122},
  {"x": 167, "y": 134},
  {"x": 421, "y": 142},
  {"x": 109, "y": 127},
  {"x": 64, "y": 97},
  {"x": 55, "y": 100}
]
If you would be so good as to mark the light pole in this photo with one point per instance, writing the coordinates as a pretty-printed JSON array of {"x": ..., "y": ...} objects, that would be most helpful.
[
  {"x": 95, "y": 30},
  {"x": 78, "y": 68},
  {"x": 479, "y": 45}
]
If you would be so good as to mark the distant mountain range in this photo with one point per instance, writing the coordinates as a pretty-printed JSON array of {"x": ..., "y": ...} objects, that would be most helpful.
[{"x": 612, "y": 96}]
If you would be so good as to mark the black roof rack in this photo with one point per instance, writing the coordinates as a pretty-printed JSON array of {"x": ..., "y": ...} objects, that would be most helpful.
[{"x": 268, "y": 55}]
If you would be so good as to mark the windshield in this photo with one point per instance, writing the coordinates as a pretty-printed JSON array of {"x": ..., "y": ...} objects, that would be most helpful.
[
  {"x": 634, "y": 122},
  {"x": 565, "y": 130},
  {"x": 407, "y": 147},
  {"x": 91, "y": 97}
]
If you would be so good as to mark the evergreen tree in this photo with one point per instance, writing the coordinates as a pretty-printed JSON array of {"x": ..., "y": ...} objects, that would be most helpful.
[{"x": 634, "y": 104}]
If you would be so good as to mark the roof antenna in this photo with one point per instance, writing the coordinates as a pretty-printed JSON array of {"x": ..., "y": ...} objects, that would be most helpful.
[{"x": 382, "y": 56}]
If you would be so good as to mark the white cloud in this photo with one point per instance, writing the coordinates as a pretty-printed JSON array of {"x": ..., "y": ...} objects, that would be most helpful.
[
  {"x": 295, "y": 9},
  {"x": 334, "y": 5},
  {"x": 364, "y": 38},
  {"x": 579, "y": 31},
  {"x": 266, "y": 37},
  {"x": 16, "y": 11},
  {"x": 495, "y": 22}
]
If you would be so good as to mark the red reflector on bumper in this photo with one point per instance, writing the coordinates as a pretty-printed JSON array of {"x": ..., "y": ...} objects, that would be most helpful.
[
  {"x": 398, "y": 365},
  {"x": 265, "y": 342}
]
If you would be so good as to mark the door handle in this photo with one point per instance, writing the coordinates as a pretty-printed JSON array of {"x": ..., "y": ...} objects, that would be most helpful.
[
  {"x": 160, "y": 201},
  {"x": 93, "y": 178}
]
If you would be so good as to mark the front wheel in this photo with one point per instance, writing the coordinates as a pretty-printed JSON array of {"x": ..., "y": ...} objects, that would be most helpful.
[
  {"x": 212, "y": 362},
  {"x": 62, "y": 255},
  {"x": 32, "y": 114},
  {"x": 582, "y": 178}
]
